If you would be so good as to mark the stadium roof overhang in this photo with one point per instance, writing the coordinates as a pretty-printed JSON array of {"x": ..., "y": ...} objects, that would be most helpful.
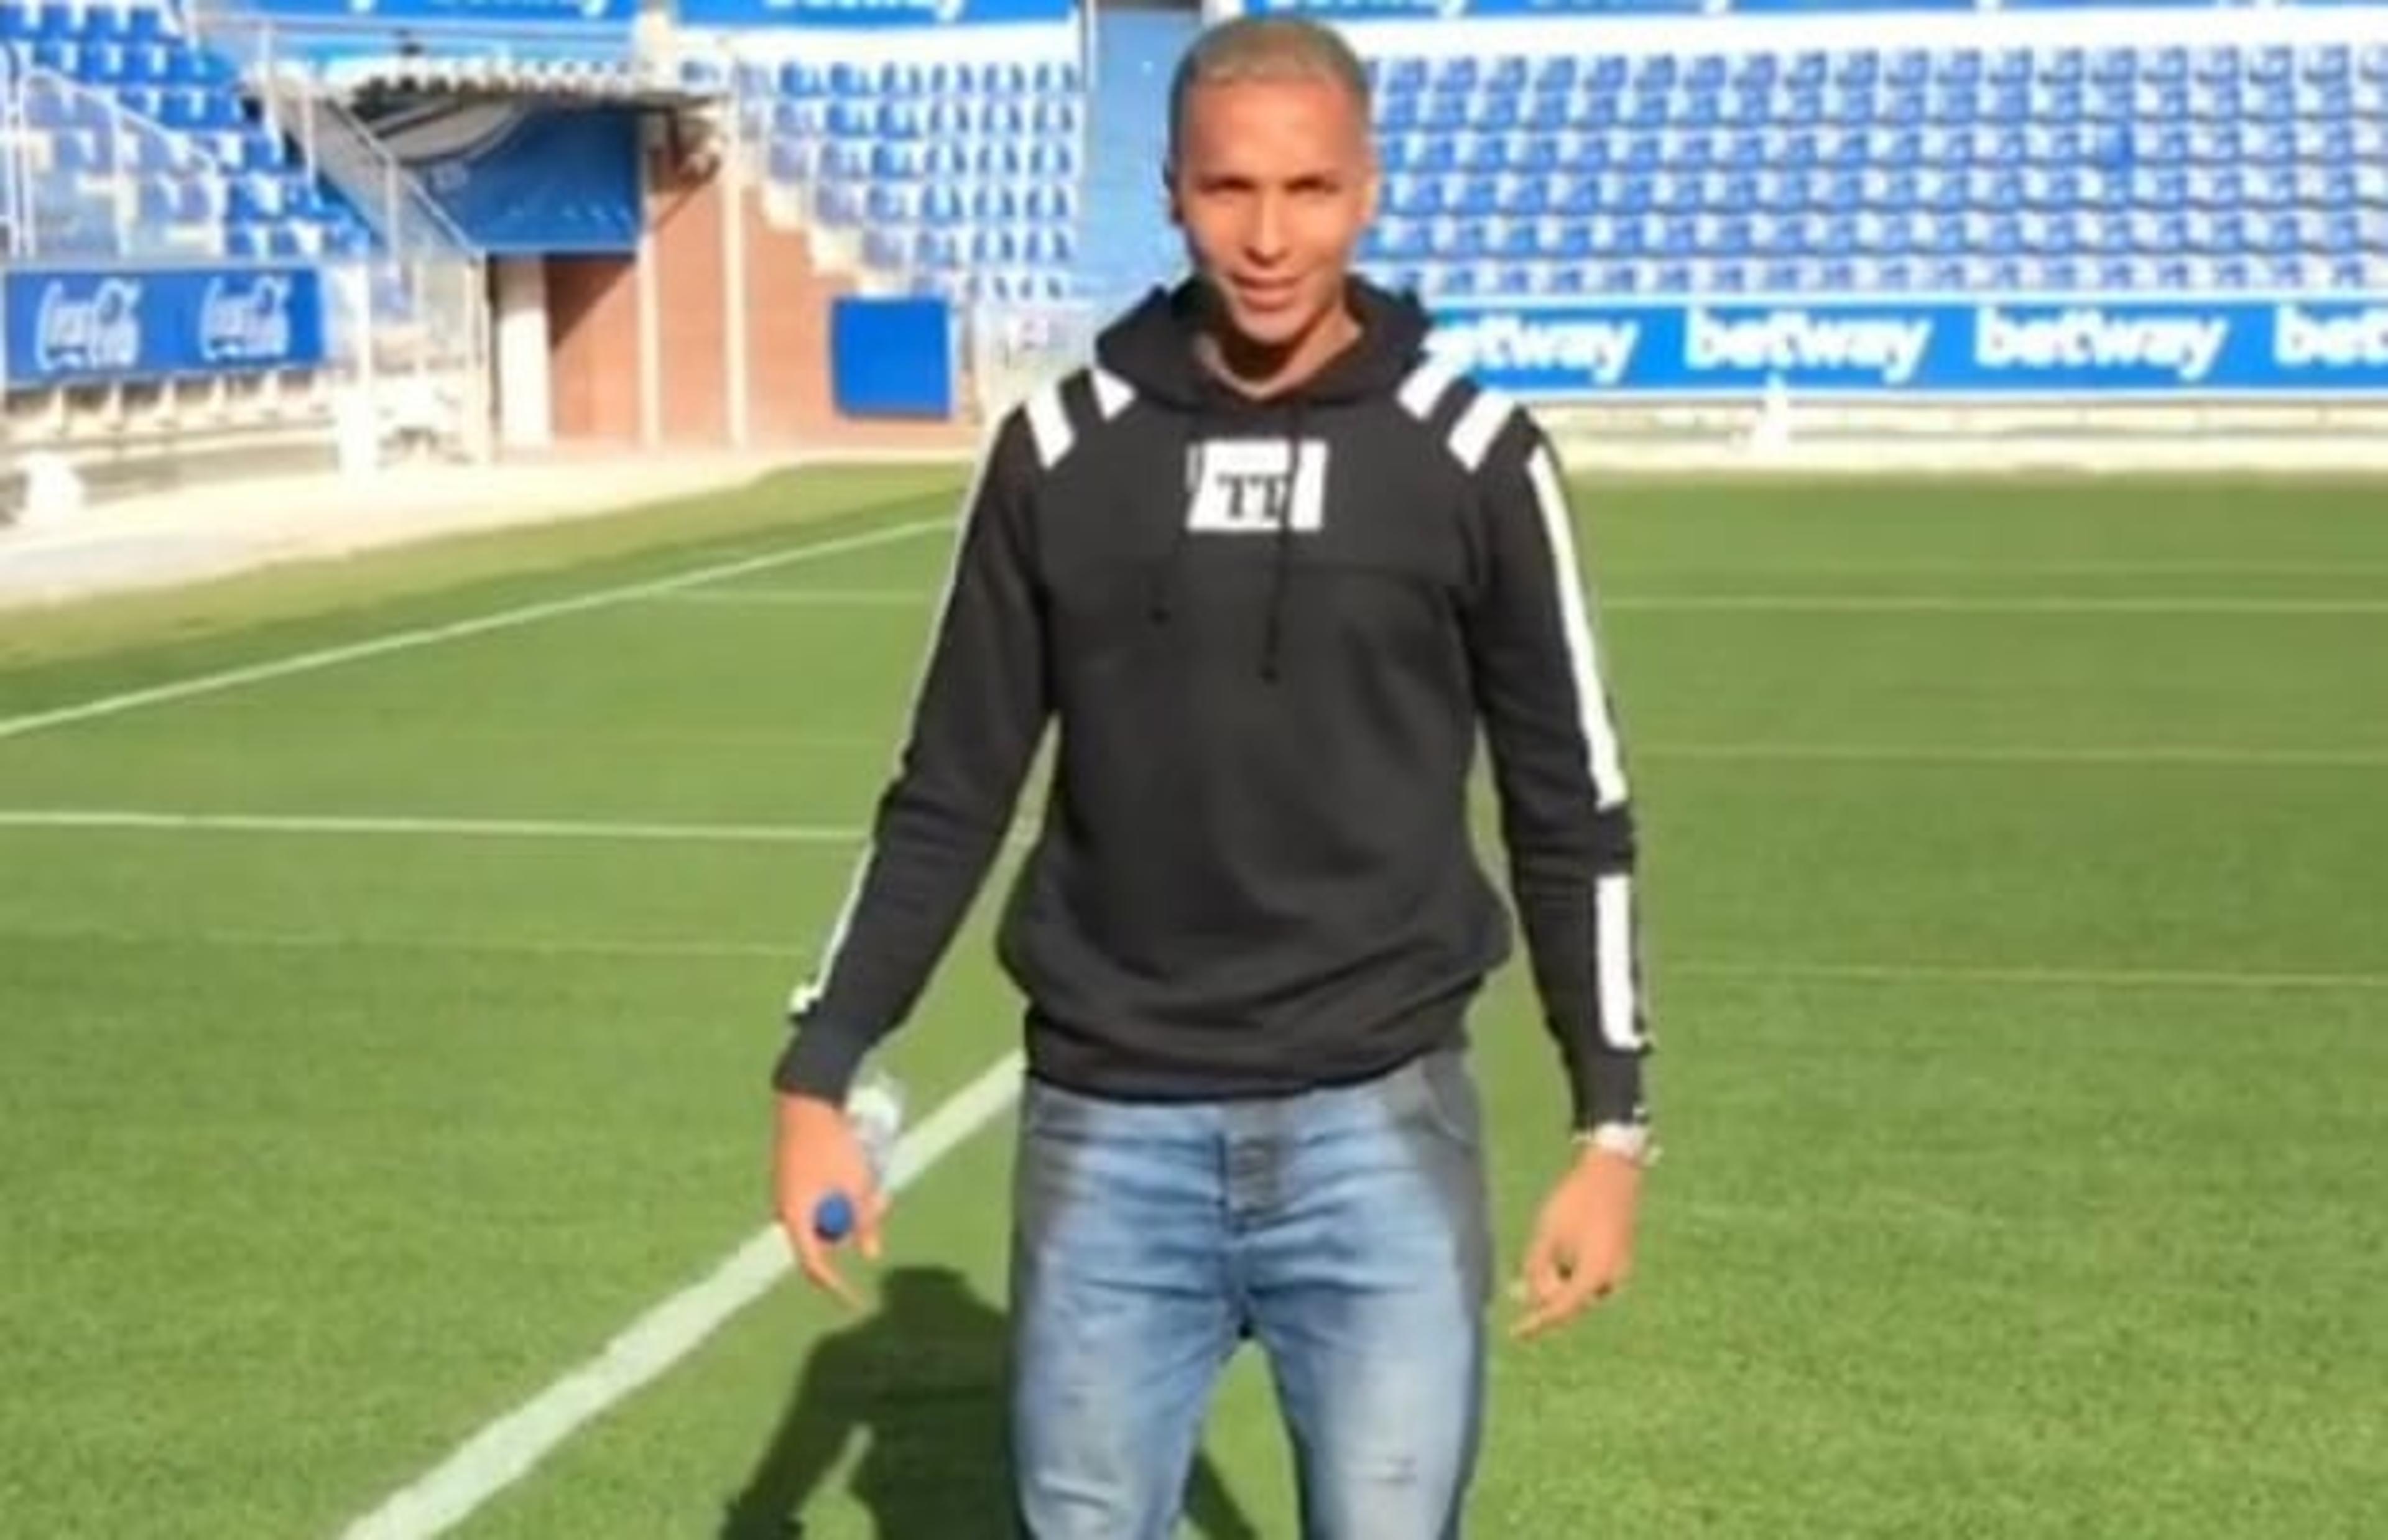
[{"x": 552, "y": 84}]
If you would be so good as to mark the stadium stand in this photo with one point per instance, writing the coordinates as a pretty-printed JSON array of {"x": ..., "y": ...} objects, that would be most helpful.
[
  {"x": 1930, "y": 224},
  {"x": 212, "y": 264},
  {"x": 1842, "y": 166},
  {"x": 1131, "y": 55},
  {"x": 125, "y": 139},
  {"x": 1610, "y": 204},
  {"x": 935, "y": 155},
  {"x": 952, "y": 171},
  {"x": 1780, "y": 155},
  {"x": 138, "y": 179},
  {"x": 1639, "y": 165}
]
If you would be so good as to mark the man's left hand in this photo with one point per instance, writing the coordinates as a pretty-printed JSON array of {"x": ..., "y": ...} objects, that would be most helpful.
[{"x": 1583, "y": 1245}]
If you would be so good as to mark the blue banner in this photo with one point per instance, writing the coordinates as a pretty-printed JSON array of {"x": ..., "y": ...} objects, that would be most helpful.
[
  {"x": 65, "y": 327},
  {"x": 614, "y": 14},
  {"x": 1471, "y": 11},
  {"x": 891, "y": 356},
  {"x": 869, "y": 13},
  {"x": 1985, "y": 347}
]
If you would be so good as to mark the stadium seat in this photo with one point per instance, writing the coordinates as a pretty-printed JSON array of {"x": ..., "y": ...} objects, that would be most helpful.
[
  {"x": 1865, "y": 169},
  {"x": 121, "y": 92},
  {"x": 956, "y": 177}
]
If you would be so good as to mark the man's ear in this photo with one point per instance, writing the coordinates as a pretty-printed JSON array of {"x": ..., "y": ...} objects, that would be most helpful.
[{"x": 1169, "y": 196}]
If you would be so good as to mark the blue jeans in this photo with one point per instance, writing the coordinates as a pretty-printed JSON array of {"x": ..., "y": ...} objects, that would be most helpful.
[{"x": 1345, "y": 1229}]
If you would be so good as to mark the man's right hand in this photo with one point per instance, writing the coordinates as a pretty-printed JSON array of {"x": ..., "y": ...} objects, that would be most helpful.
[{"x": 817, "y": 1157}]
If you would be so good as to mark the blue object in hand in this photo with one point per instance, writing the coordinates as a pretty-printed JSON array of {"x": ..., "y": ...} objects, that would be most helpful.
[
  {"x": 876, "y": 1111},
  {"x": 834, "y": 1217}
]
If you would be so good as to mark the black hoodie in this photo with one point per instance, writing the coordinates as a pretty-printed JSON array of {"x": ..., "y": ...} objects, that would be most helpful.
[{"x": 1254, "y": 874}]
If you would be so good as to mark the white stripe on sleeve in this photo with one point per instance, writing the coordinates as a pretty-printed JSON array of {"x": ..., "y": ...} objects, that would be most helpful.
[
  {"x": 1604, "y": 761},
  {"x": 1616, "y": 974}
]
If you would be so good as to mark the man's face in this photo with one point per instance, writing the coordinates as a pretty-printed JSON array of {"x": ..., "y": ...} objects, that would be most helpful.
[{"x": 1274, "y": 185}]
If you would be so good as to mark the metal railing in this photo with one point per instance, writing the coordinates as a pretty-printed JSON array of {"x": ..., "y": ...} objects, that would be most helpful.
[
  {"x": 88, "y": 180},
  {"x": 87, "y": 184},
  {"x": 421, "y": 294},
  {"x": 15, "y": 170},
  {"x": 1013, "y": 347}
]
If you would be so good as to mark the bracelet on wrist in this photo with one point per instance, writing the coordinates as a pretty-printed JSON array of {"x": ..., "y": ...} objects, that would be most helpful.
[{"x": 1629, "y": 1141}]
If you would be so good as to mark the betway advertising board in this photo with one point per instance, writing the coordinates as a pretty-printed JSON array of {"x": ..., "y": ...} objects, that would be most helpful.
[{"x": 2145, "y": 348}]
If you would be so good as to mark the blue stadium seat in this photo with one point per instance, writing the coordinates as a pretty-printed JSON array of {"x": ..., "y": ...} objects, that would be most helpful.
[
  {"x": 1827, "y": 169},
  {"x": 792, "y": 159},
  {"x": 960, "y": 173},
  {"x": 147, "y": 104}
]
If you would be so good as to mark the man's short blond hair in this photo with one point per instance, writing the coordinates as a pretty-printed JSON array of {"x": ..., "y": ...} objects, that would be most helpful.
[{"x": 1261, "y": 47}]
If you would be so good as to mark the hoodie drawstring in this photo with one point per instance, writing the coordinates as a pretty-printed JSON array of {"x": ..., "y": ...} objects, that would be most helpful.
[
  {"x": 1280, "y": 579},
  {"x": 1159, "y": 595},
  {"x": 1155, "y": 347}
]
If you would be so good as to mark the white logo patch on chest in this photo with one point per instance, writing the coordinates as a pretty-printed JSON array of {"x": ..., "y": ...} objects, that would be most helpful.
[{"x": 1251, "y": 486}]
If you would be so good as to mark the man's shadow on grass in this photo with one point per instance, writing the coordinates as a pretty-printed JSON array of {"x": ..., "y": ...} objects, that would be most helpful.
[{"x": 922, "y": 1381}]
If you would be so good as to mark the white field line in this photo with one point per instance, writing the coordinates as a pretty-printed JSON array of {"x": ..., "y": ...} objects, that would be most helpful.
[
  {"x": 439, "y": 827},
  {"x": 627, "y": 947},
  {"x": 498, "y": 620},
  {"x": 233, "y": 938},
  {"x": 1994, "y": 604},
  {"x": 2183, "y": 566},
  {"x": 2039, "y": 754},
  {"x": 499, "y": 828},
  {"x": 337, "y": 825},
  {"x": 1753, "y": 603},
  {"x": 850, "y": 598},
  {"x": 505, "y": 1450},
  {"x": 2025, "y": 974}
]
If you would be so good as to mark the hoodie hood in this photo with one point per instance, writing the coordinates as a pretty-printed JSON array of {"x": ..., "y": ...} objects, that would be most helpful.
[{"x": 1152, "y": 348}]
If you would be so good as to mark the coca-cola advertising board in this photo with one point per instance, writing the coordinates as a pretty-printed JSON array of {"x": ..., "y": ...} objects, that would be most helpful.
[{"x": 71, "y": 325}]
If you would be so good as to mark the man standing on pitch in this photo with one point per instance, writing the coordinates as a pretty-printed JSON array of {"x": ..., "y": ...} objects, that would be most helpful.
[{"x": 1269, "y": 567}]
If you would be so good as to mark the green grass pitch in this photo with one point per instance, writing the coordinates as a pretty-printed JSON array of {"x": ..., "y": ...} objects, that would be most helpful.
[{"x": 2017, "y": 859}]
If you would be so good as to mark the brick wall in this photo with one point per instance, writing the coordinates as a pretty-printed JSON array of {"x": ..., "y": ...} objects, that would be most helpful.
[
  {"x": 594, "y": 324},
  {"x": 592, "y": 319},
  {"x": 684, "y": 214}
]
